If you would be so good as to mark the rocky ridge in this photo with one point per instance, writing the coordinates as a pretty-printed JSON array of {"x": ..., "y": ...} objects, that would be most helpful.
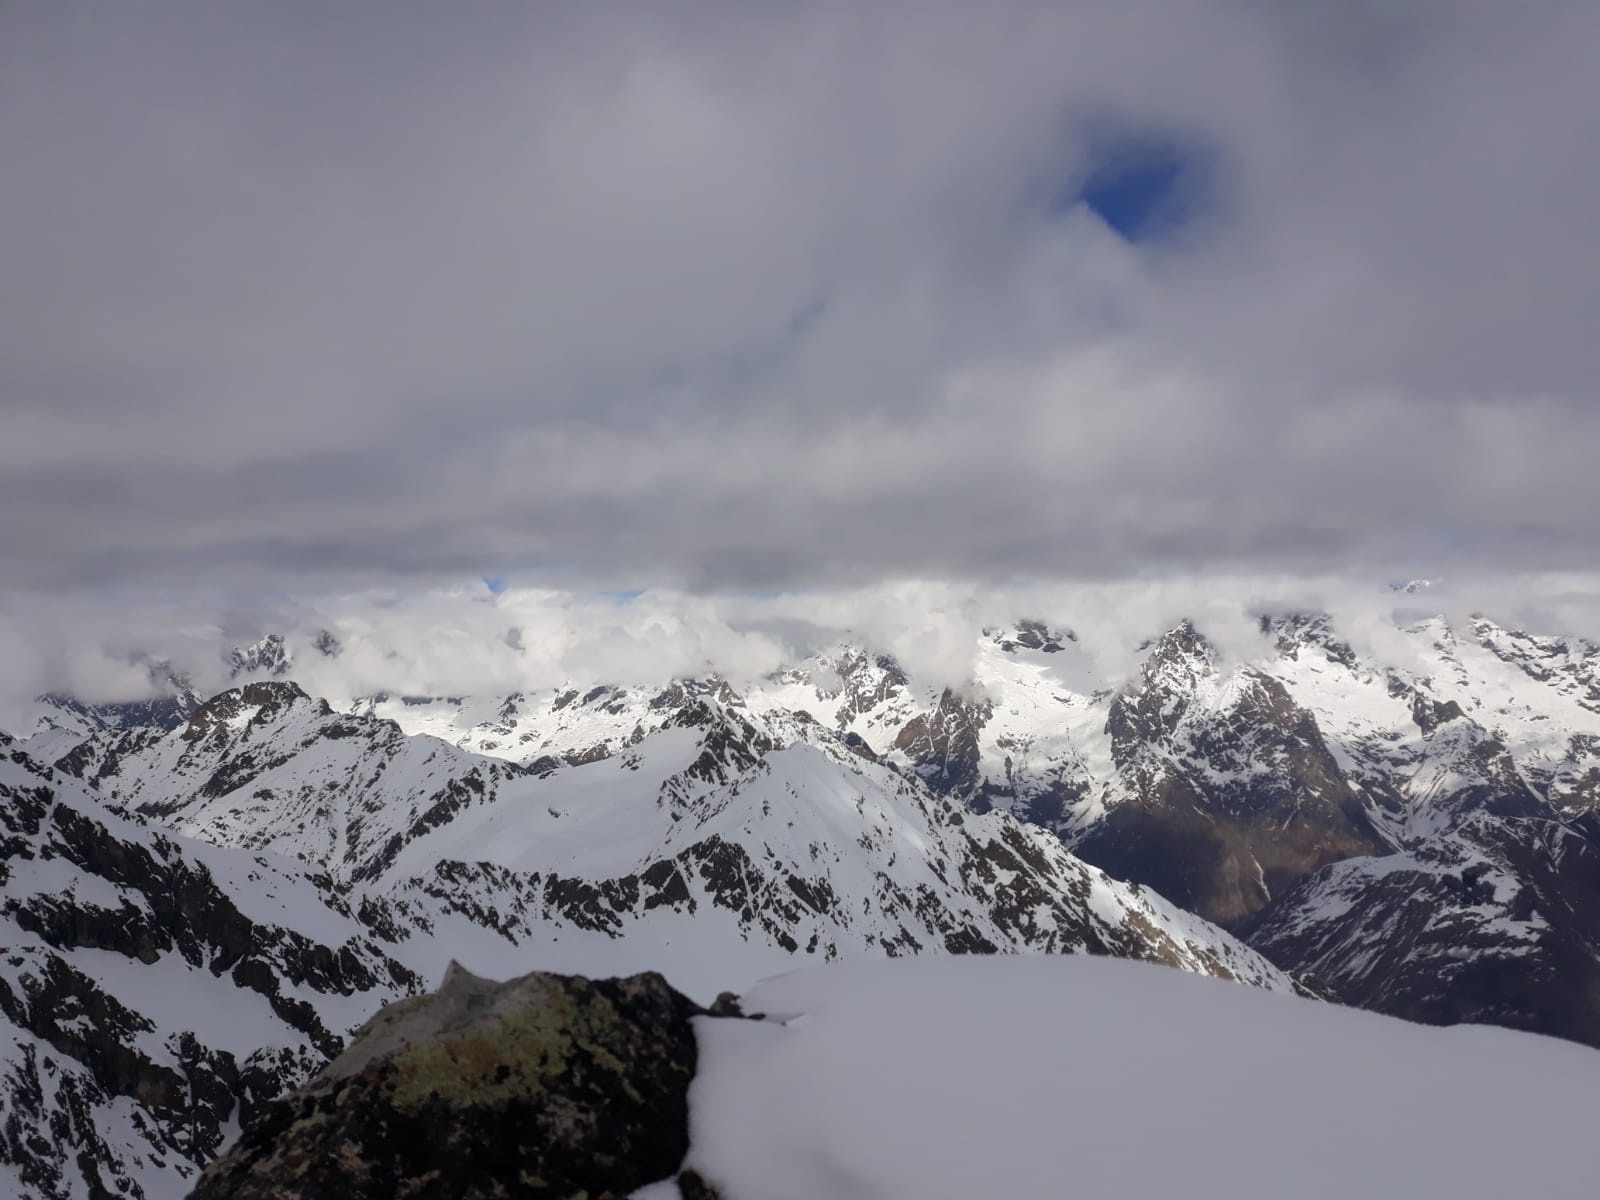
[{"x": 155, "y": 992}]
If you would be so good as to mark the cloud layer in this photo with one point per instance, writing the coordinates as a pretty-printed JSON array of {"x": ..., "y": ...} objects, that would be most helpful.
[
  {"x": 467, "y": 640},
  {"x": 755, "y": 296}
]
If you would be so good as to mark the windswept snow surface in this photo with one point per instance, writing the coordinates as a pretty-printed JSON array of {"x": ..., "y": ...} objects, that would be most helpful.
[{"x": 963, "y": 1077}]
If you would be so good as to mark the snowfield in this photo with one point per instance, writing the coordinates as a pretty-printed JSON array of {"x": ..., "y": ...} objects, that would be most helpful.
[{"x": 964, "y": 1077}]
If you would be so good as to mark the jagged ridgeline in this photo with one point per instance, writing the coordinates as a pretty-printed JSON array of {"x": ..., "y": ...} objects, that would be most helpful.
[{"x": 204, "y": 896}]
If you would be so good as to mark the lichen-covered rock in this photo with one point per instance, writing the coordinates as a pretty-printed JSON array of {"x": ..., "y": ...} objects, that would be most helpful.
[{"x": 547, "y": 1085}]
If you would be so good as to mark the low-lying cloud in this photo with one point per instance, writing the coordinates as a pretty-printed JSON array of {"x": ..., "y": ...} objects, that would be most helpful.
[{"x": 468, "y": 640}]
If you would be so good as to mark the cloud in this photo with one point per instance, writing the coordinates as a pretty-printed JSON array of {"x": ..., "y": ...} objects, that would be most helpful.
[
  {"x": 732, "y": 297},
  {"x": 453, "y": 640}
]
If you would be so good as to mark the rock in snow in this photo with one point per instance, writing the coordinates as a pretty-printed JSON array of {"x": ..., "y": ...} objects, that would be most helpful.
[
  {"x": 546, "y": 1086},
  {"x": 952, "y": 1077}
]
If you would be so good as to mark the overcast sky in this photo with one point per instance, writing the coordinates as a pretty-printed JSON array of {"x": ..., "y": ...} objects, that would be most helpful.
[{"x": 750, "y": 296}]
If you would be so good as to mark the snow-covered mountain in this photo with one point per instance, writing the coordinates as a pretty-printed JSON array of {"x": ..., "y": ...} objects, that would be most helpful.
[
  {"x": 268, "y": 656},
  {"x": 1227, "y": 781},
  {"x": 734, "y": 837},
  {"x": 63, "y": 721},
  {"x": 155, "y": 990},
  {"x": 272, "y": 656},
  {"x": 1325, "y": 804},
  {"x": 720, "y": 847},
  {"x": 1414, "y": 832},
  {"x": 265, "y": 767},
  {"x": 1497, "y": 921}
]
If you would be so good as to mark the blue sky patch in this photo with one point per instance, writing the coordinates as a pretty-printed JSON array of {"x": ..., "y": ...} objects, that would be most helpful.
[{"x": 1145, "y": 188}]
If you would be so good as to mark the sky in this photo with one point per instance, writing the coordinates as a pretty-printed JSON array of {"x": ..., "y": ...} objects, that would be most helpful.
[{"x": 732, "y": 298}]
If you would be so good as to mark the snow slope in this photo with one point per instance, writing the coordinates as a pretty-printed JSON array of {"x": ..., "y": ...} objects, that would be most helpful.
[
  {"x": 1074, "y": 1076},
  {"x": 719, "y": 867},
  {"x": 154, "y": 990},
  {"x": 713, "y": 847},
  {"x": 1222, "y": 781},
  {"x": 717, "y": 849},
  {"x": 266, "y": 767}
]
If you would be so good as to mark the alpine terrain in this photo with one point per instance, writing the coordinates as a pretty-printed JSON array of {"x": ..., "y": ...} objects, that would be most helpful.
[{"x": 204, "y": 896}]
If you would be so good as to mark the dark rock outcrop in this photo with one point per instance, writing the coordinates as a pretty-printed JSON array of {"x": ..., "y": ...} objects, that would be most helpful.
[
  {"x": 1498, "y": 923},
  {"x": 1031, "y": 635},
  {"x": 547, "y": 1085},
  {"x": 943, "y": 745},
  {"x": 269, "y": 656},
  {"x": 1230, "y": 803}
]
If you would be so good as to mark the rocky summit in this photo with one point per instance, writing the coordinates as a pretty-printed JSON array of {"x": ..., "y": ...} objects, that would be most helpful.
[{"x": 544, "y": 1086}]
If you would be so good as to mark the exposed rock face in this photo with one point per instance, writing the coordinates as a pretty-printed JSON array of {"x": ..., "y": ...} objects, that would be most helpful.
[
  {"x": 1232, "y": 793},
  {"x": 154, "y": 991},
  {"x": 269, "y": 656},
  {"x": 1031, "y": 635},
  {"x": 1498, "y": 922},
  {"x": 943, "y": 745},
  {"x": 869, "y": 683},
  {"x": 544, "y": 1086},
  {"x": 64, "y": 721},
  {"x": 266, "y": 767}
]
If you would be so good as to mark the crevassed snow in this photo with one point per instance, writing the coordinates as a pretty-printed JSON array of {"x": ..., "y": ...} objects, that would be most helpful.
[{"x": 962, "y": 1078}]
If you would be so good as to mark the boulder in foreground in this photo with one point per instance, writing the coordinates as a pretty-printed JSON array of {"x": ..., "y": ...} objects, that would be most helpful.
[{"x": 547, "y": 1085}]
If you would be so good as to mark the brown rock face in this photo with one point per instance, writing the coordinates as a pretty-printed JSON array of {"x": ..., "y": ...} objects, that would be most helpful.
[
  {"x": 943, "y": 744},
  {"x": 1497, "y": 923},
  {"x": 1230, "y": 806},
  {"x": 543, "y": 1086}
]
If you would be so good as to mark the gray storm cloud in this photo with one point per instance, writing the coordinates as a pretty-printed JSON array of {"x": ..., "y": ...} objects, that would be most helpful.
[{"x": 734, "y": 296}]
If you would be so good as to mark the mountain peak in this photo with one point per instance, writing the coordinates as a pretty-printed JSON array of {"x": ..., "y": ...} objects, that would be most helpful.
[
  {"x": 1178, "y": 660},
  {"x": 168, "y": 703},
  {"x": 268, "y": 656},
  {"x": 1031, "y": 635},
  {"x": 255, "y": 703}
]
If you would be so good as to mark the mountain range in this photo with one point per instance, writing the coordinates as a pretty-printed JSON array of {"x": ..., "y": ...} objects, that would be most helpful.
[{"x": 203, "y": 896}]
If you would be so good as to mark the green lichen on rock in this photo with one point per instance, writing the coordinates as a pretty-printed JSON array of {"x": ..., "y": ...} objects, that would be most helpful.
[
  {"x": 514, "y": 1053},
  {"x": 543, "y": 1086}
]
